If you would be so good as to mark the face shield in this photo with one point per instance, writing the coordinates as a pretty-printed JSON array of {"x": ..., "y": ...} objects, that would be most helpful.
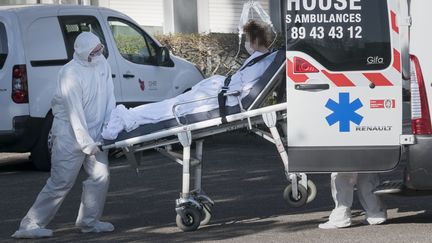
[{"x": 96, "y": 52}]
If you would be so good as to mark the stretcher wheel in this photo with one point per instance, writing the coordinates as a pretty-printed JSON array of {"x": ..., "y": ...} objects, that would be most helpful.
[
  {"x": 311, "y": 191},
  {"x": 295, "y": 202},
  {"x": 205, "y": 214},
  {"x": 192, "y": 221}
]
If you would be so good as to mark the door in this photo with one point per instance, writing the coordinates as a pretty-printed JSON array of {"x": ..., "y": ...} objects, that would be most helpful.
[
  {"x": 142, "y": 79},
  {"x": 9, "y": 108},
  {"x": 344, "y": 85}
]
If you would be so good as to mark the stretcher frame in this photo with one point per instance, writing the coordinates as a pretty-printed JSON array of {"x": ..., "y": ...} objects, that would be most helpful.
[{"x": 185, "y": 134}]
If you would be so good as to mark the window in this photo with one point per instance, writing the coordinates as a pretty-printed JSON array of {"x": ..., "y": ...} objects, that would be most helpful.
[
  {"x": 133, "y": 44},
  {"x": 3, "y": 45},
  {"x": 346, "y": 36},
  {"x": 72, "y": 26}
]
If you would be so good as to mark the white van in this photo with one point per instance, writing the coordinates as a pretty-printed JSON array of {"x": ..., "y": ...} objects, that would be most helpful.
[
  {"x": 359, "y": 88},
  {"x": 36, "y": 41}
]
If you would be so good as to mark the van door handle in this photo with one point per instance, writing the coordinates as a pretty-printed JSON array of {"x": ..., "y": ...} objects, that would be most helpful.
[
  {"x": 312, "y": 87},
  {"x": 128, "y": 76},
  {"x": 113, "y": 75}
]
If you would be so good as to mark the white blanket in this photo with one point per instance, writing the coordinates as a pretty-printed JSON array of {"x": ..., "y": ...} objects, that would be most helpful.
[{"x": 243, "y": 81}]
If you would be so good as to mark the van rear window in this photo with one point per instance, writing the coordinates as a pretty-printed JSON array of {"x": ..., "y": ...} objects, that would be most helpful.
[
  {"x": 342, "y": 35},
  {"x": 3, "y": 45}
]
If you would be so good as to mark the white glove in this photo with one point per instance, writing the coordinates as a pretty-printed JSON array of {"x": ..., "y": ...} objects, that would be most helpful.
[{"x": 92, "y": 149}]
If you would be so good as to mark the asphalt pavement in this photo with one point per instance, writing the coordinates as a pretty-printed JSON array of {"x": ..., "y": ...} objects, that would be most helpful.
[{"x": 242, "y": 173}]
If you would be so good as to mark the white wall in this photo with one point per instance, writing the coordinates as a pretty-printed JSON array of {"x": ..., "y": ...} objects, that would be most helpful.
[
  {"x": 12, "y": 2},
  {"x": 213, "y": 15},
  {"x": 145, "y": 12},
  {"x": 224, "y": 15}
]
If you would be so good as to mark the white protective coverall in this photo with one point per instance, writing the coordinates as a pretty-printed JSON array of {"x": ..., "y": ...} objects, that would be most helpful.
[
  {"x": 342, "y": 188},
  {"x": 81, "y": 106},
  {"x": 243, "y": 80}
]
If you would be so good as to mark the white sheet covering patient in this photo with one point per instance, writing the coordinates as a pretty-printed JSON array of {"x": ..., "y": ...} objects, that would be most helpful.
[{"x": 243, "y": 81}]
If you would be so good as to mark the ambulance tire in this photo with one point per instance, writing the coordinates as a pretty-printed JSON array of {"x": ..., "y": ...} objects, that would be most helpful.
[
  {"x": 41, "y": 152},
  {"x": 205, "y": 214},
  {"x": 295, "y": 202},
  {"x": 311, "y": 191},
  {"x": 193, "y": 221}
]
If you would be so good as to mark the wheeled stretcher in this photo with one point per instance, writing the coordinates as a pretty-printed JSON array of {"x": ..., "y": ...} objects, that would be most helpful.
[{"x": 194, "y": 206}]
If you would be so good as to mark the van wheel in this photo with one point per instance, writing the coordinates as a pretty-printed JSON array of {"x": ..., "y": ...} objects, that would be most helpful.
[{"x": 41, "y": 152}]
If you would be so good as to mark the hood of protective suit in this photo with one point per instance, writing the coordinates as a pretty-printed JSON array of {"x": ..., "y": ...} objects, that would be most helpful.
[{"x": 84, "y": 45}]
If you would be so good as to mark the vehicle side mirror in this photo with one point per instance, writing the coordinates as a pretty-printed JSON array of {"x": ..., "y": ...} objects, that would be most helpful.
[{"x": 163, "y": 57}]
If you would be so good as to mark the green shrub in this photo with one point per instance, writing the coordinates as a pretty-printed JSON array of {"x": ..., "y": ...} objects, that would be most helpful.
[{"x": 213, "y": 53}]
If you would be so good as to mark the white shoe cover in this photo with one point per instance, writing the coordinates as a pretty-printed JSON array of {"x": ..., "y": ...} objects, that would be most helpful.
[
  {"x": 374, "y": 221},
  {"x": 98, "y": 227},
  {"x": 33, "y": 233},
  {"x": 331, "y": 225}
]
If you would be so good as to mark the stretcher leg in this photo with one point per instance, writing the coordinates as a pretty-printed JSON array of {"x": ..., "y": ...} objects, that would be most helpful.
[
  {"x": 133, "y": 157},
  {"x": 185, "y": 139},
  {"x": 186, "y": 172},
  {"x": 205, "y": 202},
  {"x": 193, "y": 208},
  {"x": 198, "y": 167},
  {"x": 296, "y": 193}
]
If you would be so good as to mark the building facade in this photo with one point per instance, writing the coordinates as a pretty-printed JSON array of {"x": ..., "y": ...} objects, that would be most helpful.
[{"x": 174, "y": 16}]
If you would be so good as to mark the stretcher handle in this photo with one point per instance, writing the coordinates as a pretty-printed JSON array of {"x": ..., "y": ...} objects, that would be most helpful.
[
  {"x": 312, "y": 87},
  {"x": 100, "y": 146}
]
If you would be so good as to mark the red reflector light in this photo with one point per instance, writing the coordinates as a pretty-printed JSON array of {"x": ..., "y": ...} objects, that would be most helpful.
[
  {"x": 303, "y": 66},
  {"x": 421, "y": 121},
  {"x": 19, "y": 97},
  {"x": 17, "y": 72},
  {"x": 19, "y": 84}
]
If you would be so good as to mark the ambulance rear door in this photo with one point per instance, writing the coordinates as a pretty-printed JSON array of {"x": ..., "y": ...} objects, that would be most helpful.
[{"x": 344, "y": 85}]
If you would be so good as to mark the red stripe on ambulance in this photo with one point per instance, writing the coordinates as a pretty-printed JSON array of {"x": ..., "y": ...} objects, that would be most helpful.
[
  {"x": 397, "y": 60},
  {"x": 338, "y": 79},
  {"x": 393, "y": 22},
  {"x": 378, "y": 79},
  {"x": 297, "y": 78}
]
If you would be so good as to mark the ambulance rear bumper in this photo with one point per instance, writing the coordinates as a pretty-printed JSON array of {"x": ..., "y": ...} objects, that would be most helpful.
[
  {"x": 419, "y": 167},
  {"x": 344, "y": 159}
]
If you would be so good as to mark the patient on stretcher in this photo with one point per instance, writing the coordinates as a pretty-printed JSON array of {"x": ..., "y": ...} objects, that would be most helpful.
[{"x": 243, "y": 80}]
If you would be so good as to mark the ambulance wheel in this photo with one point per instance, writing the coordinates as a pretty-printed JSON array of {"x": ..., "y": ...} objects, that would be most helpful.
[
  {"x": 311, "y": 191},
  {"x": 192, "y": 222},
  {"x": 295, "y": 202},
  {"x": 205, "y": 214},
  {"x": 41, "y": 152}
]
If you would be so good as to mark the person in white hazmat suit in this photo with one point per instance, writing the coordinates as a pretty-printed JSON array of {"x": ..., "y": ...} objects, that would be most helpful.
[
  {"x": 81, "y": 106},
  {"x": 342, "y": 188},
  {"x": 257, "y": 39}
]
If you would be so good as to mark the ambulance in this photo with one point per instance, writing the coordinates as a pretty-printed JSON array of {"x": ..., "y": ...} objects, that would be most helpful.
[{"x": 359, "y": 83}]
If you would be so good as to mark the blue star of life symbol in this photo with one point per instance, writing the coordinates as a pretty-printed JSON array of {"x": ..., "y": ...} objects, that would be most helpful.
[{"x": 344, "y": 112}]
